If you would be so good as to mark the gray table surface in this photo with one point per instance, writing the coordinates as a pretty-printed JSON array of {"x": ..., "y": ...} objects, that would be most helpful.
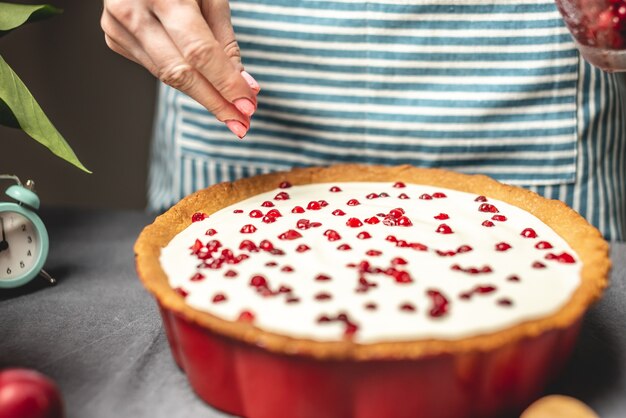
[{"x": 99, "y": 336}]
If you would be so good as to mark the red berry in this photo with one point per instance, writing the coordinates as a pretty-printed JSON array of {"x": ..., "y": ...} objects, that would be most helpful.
[
  {"x": 313, "y": 205},
  {"x": 290, "y": 234},
  {"x": 486, "y": 207},
  {"x": 372, "y": 221},
  {"x": 210, "y": 232},
  {"x": 426, "y": 196},
  {"x": 302, "y": 248},
  {"x": 286, "y": 269},
  {"x": 335, "y": 189},
  {"x": 338, "y": 212},
  {"x": 485, "y": 289},
  {"x": 407, "y": 307},
  {"x": 256, "y": 213},
  {"x": 297, "y": 209},
  {"x": 269, "y": 219},
  {"x": 396, "y": 213},
  {"x": 499, "y": 218},
  {"x": 404, "y": 221},
  {"x": 439, "y": 195},
  {"x": 284, "y": 185},
  {"x": 282, "y": 196},
  {"x": 543, "y": 245},
  {"x": 266, "y": 245},
  {"x": 403, "y": 196},
  {"x": 332, "y": 235},
  {"x": 399, "y": 185},
  {"x": 373, "y": 253},
  {"x": 323, "y": 296},
  {"x": 441, "y": 217},
  {"x": 258, "y": 281},
  {"x": 246, "y": 244},
  {"x": 488, "y": 224},
  {"x": 197, "y": 277},
  {"x": 198, "y": 216},
  {"x": 275, "y": 213},
  {"x": 29, "y": 394},
  {"x": 238, "y": 211},
  {"x": 181, "y": 291},
  {"x": 439, "y": 303},
  {"x": 322, "y": 278},
  {"x": 230, "y": 273},
  {"x": 267, "y": 204},
  {"x": 502, "y": 246},
  {"x": 246, "y": 316},
  {"x": 372, "y": 196},
  {"x": 398, "y": 261},
  {"x": 248, "y": 229},
  {"x": 364, "y": 235},
  {"x": 529, "y": 233},
  {"x": 480, "y": 199},
  {"x": 444, "y": 229},
  {"x": 565, "y": 258},
  {"x": 344, "y": 247},
  {"x": 219, "y": 297},
  {"x": 303, "y": 224},
  {"x": 354, "y": 223},
  {"x": 417, "y": 246},
  {"x": 464, "y": 249},
  {"x": 353, "y": 202},
  {"x": 196, "y": 247},
  {"x": 284, "y": 289}
]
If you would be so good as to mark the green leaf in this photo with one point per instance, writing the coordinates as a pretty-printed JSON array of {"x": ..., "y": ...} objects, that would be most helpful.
[
  {"x": 28, "y": 114},
  {"x": 15, "y": 15}
]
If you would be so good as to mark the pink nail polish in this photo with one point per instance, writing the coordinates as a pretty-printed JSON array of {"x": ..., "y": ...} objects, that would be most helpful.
[
  {"x": 237, "y": 128},
  {"x": 254, "y": 85},
  {"x": 245, "y": 106}
]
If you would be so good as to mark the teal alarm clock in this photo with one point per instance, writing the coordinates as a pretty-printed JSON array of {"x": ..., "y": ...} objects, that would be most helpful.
[{"x": 23, "y": 237}]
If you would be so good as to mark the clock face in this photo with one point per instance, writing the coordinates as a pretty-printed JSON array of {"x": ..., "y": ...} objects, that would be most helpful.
[{"x": 19, "y": 245}]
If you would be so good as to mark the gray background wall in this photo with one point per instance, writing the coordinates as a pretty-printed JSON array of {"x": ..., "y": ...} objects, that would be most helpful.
[{"x": 102, "y": 104}]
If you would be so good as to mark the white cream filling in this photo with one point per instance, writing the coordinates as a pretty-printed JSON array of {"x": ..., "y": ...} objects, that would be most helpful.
[{"x": 540, "y": 292}]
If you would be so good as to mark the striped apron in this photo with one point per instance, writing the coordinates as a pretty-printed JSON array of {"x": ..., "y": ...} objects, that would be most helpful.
[{"x": 478, "y": 86}]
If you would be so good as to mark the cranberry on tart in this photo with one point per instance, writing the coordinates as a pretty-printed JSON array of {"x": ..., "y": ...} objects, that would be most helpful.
[{"x": 363, "y": 291}]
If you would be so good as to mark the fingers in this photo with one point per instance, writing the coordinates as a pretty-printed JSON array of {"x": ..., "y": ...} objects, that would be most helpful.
[
  {"x": 144, "y": 40},
  {"x": 197, "y": 44},
  {"x": 130, "y": 48},
  {"x": 217, "y": 15}
]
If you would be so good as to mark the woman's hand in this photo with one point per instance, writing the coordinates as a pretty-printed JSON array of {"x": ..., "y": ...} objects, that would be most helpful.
[{"x": 189, "y": 45}]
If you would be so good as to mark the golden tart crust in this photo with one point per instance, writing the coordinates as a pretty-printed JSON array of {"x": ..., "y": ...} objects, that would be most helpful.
[{"x": 584, "y": 239}]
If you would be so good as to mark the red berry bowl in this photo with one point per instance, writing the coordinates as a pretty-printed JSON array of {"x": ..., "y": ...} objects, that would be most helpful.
[{"x": 599, "y": 30}]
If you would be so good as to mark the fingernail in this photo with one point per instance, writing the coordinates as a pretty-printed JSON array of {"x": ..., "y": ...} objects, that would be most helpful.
[
  {"x": 237, "y": 128},
  {"x": 254, "y": 85},
  {"x": 245, "y": 106}
]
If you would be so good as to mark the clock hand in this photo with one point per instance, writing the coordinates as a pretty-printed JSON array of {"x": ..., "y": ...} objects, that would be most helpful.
[{"x": 4, "y": 245}]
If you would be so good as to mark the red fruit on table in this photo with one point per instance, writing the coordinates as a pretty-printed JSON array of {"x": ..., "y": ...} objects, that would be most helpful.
[{"x": 29, "y": 394}]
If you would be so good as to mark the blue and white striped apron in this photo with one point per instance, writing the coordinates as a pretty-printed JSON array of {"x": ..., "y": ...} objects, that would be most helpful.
[{"x": 479, "y": 86}]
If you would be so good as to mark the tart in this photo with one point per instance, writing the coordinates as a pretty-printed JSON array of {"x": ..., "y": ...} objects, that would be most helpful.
[{"x": 367, "y": 291}]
